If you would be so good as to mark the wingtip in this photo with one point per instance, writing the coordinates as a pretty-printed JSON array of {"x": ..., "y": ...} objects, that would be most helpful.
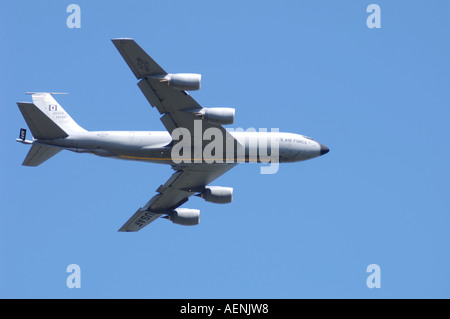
[
  {"x": 125, "y": 229},
  {"x": 121, "y": 39}
]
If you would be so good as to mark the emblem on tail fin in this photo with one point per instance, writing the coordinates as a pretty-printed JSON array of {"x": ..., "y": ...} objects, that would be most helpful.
[
  {"x": 23, "y": 134},
  {"x": 22, "y": 137}
]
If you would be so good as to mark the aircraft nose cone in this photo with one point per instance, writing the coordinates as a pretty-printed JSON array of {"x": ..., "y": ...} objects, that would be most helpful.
[{"x": 323, "y": 149}]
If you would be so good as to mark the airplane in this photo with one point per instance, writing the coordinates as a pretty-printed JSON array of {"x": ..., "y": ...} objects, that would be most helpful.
[{"x": 54, "y": 130}]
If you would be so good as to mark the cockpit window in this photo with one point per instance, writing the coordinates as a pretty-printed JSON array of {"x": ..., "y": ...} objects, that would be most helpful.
[{"x": 307, "y": 137}]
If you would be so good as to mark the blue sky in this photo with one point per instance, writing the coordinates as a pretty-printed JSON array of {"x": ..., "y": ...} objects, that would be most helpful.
[{"x": 378, "y": 98}]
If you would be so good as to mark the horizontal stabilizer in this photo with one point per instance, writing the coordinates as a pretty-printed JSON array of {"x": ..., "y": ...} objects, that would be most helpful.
[
  {"x": 39, "y": 153},
  {"x": 41, "y": 126}
]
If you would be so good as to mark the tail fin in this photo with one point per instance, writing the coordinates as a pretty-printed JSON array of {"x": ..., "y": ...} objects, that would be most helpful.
[
  {"x": 39, "y": 153},
  {"x": 46, "y": 118}
]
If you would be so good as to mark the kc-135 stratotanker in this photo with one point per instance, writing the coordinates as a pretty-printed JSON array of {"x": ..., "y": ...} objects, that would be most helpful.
[{"x": 196, "y": 144}]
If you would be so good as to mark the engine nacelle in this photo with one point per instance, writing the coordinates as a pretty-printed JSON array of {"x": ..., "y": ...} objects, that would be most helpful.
[
  {"x": 184, "y": 81},
  {"x": 185, "y": 216},
  {"x": 217, "y": 194},
  {"x": 219, "y": 115}
]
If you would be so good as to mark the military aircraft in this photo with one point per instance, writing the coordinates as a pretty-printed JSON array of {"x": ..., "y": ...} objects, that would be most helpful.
[{"x": 197, "y": 158}]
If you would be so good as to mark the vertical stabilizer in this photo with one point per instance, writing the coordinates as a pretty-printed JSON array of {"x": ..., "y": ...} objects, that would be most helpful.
[
  {"x": 55, "y": 112},
  {"x": 47, "y": 120}
]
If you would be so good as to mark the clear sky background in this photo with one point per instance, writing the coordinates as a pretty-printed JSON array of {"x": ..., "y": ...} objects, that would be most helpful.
[{"x": 378, "y": 98}]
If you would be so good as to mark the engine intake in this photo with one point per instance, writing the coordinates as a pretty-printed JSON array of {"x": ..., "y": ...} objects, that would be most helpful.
[
  {"x": 217, "y": 194},
  {"x": 219, "y": 115},
  {"x": 185, "y": 216},
  {"x": 184, "y": 81}
]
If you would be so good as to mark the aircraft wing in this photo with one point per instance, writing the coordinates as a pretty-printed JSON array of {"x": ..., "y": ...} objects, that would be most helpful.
[
  {"x": 139, "y": 62},
  {"x": 177, "y": 107},
  {"x": 185, "y": 182}
]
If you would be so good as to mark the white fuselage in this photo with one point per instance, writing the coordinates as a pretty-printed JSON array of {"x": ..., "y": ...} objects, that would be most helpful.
[{"x": 156, "y": 146}]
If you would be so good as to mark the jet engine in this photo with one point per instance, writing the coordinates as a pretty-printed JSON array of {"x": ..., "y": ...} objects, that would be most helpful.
[
  {"x": 219, "y": 115},
  {"x": 185, "y": 216},
  {"x": 217, "y": 194},
  {"x": 184, "y": 81}
]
